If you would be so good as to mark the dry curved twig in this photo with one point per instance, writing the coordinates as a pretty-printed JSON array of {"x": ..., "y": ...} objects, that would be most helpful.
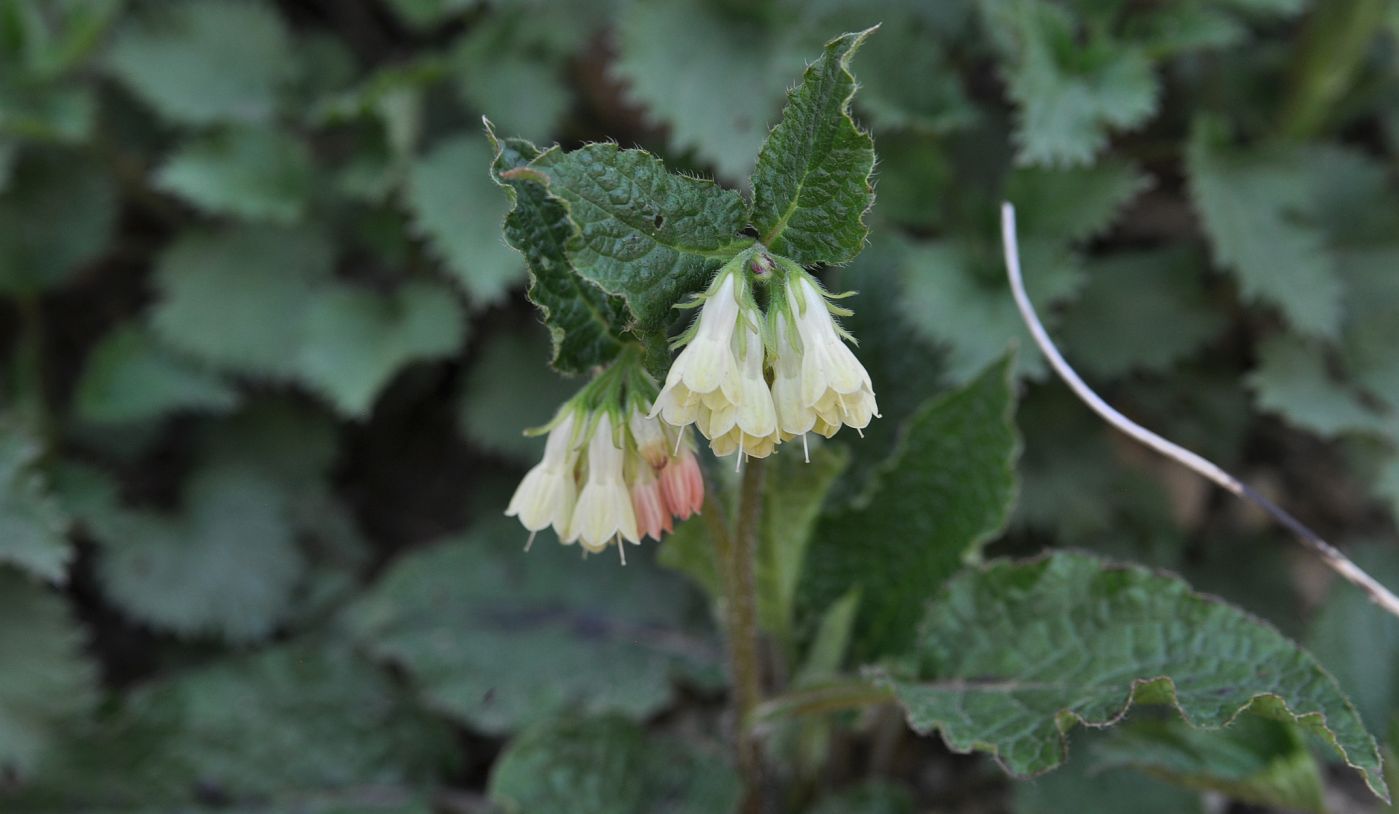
[{"x": 1329, "y": 554}]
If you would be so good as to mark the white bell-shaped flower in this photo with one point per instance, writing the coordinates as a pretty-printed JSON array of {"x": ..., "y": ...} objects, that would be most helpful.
[
  {"x": 546, "y": 495},
  {"x": 833, "y": 382},
  {"x": 604, "y": 509}
]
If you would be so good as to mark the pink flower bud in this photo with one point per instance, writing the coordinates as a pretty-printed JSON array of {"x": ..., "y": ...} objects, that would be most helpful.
[{"x": 682, "y": 484}]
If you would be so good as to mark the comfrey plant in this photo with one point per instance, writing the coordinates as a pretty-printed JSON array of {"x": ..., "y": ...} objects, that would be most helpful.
[{"x": 871, "y": 598}]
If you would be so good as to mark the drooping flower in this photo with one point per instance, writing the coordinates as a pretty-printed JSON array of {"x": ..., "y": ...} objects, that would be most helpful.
[
  {"x": 705, "y": 374},
  {"x": 682, "y": 484},
  {"x": 650, "y": 438},
  {"x": 652, "y": 517},
  {"x": 793, "y": 417},
  {"x": 604, "y": 511},
  {"x": 834, "y": 384},
  {"x": 546, "y": 495}
]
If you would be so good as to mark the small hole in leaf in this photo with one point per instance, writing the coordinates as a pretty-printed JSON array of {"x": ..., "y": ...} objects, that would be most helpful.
[{"x": 659, "y": 220}]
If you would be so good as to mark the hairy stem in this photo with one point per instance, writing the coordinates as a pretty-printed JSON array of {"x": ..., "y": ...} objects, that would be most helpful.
[{"x": 742, "y": 622}]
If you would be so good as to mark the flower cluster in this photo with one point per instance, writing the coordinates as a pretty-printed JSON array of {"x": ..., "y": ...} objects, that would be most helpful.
[
  {"x": 610, "y": 471},
  {"x": 720, "y": 380}
]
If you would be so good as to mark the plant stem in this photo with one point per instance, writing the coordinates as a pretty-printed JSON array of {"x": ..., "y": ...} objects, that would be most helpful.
[
  {"x": 742, "y": 620},
  {"x": 1332, "y": 51}
]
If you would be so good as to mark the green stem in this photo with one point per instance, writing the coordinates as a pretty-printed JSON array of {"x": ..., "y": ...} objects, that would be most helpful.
[
  {"x": 742, "y": 622},
  {"x": 1336, "y": 42}
]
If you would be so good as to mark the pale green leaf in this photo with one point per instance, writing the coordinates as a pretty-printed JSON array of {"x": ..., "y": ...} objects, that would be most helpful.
[
  {"x": 33, "y": 528},
  {"x": 253, "y": 173},
  {"x": 507, "y": 391},
  {"x": 47, "y": 113},
  {"x": 1254, "y": 760},
  {"x": 1071, "y": 89},
  {"x": 1140, "y": 311},
  {"x": 47, "y": 685},
  {"x": 296, "y": 721},
  {"x": 56, "y": 215},
  {"x": 238, "y": 298},
  {"x": 512, "y": 65},
  {"x": 644, "y": 234},
  {"x": 681, "y": 62},
  {"x": 204, "y": 61},
  {"x": 796, "y": 492},
  {"x": 498, "y": 638},
  {"x": 1371, "y": 333},
  {"x": 1011, "y": 657},
  {"x": 812, "y": 187},
  {"x": 457, "y": 208},
  {"x": 129, "y": 377},
  {"x": 1292, "y": 380},
  {"x": 1254, "y": 206},
  {"x": 690, "y": 550},
  {"x": 225, "y": 565},
  {"x": 609, "y": 765},
  {"x": 943, "y": 493},
  {"x": 355, "y": 339},
  {"x": 585, "y": 323}
]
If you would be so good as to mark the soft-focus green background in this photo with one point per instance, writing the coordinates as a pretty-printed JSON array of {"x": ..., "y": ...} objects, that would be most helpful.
[{"x": 264, "y": 364}]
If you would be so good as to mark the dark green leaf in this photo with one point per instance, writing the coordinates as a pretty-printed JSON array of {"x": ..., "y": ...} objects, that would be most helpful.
[
  {"x": 584, "y": 322},
  {"x": 643, "y": 233},
  {"x": 1013, "y": 656},
  {"x": 56, "y": 215},
  {"x": 226, "y": 565},
  {"x": 609, "y": 766},
  {"x": 508, "y": 391},
  {"x": 498, "y": 638},
  {"x": 939, "y": 497},
  {"x": 812, "y": 185}
]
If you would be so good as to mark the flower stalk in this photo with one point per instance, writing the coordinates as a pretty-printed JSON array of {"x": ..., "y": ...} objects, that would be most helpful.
[{"x": 742, "y": 623}]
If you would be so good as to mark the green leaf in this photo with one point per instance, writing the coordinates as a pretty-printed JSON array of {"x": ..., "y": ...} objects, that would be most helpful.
[
  {"x": 1070, "y": 89},
  {"x": 56, "y": 215},
  {"x": 609, "y": 766},
  {"x": 423, "y": 14},
  {"x": 238, "y": 298},
  {"x": 128, "y": 377},
  {"x": 1293, "y": 381},
  {"x": 205, "y": 733},
  {"x": 643, "y": 233},
  {"x": 1255, "y": 206},
  {"x": 812, "y": 185},
  {"x": 690, "y": 551},
  {"x": 1371, "y": 333},
  {"x": 791, "y": 503},
  {"x": 1255, "y": 760},
  {"x": 1081, "y": 786},
  {"x": 681, "y": 62},
  {"x": 1075, "y": 204},
  {"x": 940, "y": 496},
  {"x": 1013, "y": 656},
  {"x": 226, "y": 565},
  {"x": 47, "y": 685},
  {"x": 205, "y": 61},
  {"x": 585, "y": 323},
  {"x": 47, "y": 113},
  {"x": 497, "y": 638},
  {"x": 457, "y": 208},
  {"x": 870, "y": 797},
  {"x": 512, "y": 65},
  {"x": 955, "y": 294},
  {"x": 1140, "y": 311},
  {"x": 1358, "y": 643},
  {"x": 508, "y": 391},
  {"x": 33, "y": 528},
  {"x": 247, "y": 172},
  {"x": 355, "y": 339}
]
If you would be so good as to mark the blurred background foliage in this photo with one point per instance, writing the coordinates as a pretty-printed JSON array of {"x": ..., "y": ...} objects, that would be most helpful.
[{"x": 265, "y": 367}]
